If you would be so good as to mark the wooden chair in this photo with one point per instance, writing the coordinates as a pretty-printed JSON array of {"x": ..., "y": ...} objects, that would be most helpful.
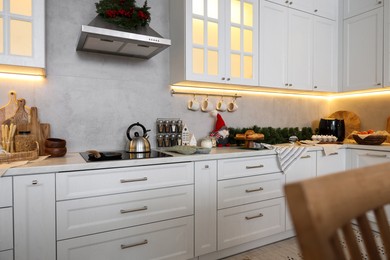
[{"x": 322, "y": 208}]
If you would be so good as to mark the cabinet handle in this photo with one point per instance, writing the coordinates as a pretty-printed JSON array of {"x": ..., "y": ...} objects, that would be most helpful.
[
  {"x": 379, "y": 84},
  {"x": 306, "y": 157},
  {"x": 315, "y": 10},
  {"x": 315, "y": 87},
  {"x": 379, "y": 2},
  {"x": 136, "y": 244},
  {"x": 34, "y": 182},
  {"x": 223, "y": 78},
  {"x": 377, "y": 155},
  {"x": 228, "y": 79},
  {"x": 255, "y": 166},
  {"x": 335, "y": 153},
  {"x": 134, "y": 180},
  {"x": 290, "y": 85},
  {"x": 124, "y": 211},
  {"x": 286, "y": 2},
  {"x": 257, "y": 216},
  {"x": 206, "y": 166},
  {"x": 291, "y": 3},
  {"x": 254, "y": 190}
]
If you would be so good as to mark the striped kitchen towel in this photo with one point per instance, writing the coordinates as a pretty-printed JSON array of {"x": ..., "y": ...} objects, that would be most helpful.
[{"x": 287, "y": 155}]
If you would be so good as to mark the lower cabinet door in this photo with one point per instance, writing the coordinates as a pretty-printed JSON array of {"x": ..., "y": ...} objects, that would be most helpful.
[
  {"x": 7, "y": 255},
  {"x": 172, "y": 239},
  {"x": 6, "y": 232},
  {"x": 250, "y": 222}
]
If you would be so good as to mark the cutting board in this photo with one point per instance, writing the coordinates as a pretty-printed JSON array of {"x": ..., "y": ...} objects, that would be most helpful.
[
  {"x": 7, "y": 111},
  {"x": 36, "y": 130},
  {"x": 351, "y": 121}
]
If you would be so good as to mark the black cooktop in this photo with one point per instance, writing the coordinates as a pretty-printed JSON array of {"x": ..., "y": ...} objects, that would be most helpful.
[{"x": 122, "y": 155}]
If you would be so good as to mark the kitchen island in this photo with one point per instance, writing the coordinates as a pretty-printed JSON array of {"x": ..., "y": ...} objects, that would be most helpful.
[{"x": 209, "y": 205}]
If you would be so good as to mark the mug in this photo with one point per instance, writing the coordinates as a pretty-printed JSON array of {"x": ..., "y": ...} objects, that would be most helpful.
[
  {"x": 193, "y": 104},
  {"x": 221, "y": 106},
  {"x": 207, "y": 106},
  {"x": 232, "y": 106}
]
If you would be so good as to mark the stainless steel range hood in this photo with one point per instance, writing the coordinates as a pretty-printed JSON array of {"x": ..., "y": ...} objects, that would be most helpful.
[{"x": 103, "y": 37}]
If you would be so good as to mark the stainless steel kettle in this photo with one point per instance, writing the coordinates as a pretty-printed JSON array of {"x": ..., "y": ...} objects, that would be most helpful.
[{"x": 139, "y": 143}]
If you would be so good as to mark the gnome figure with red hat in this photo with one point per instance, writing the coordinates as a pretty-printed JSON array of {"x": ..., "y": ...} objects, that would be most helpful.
[{"x": 221, "y": 132}]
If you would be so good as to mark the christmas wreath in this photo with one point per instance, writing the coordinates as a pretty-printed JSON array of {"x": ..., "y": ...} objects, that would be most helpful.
[{"x": 124, "y": 13}]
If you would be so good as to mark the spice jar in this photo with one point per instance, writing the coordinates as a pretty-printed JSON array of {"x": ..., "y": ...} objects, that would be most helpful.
[{"x": 25, "y": 142}]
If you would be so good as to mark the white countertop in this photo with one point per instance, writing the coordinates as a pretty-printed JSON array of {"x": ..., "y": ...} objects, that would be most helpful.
[{"x": 74, "y": 161}]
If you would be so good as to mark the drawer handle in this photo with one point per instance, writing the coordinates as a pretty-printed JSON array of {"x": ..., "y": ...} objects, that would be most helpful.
[
  {"x": 124, "y": 211},
  {"x": 34, "y": 182},
  {"x": 257, "y": 216},
  {"x": 377, "y": 155},
  {"x": 335, "y": 153},
  {"x": 136, "y": 244},
  {"x": 134, "y": 180},
  {"x": 306, "y": 157},
  {"x": 254, "y": 190},
  {"x": 254, "y": 167}
]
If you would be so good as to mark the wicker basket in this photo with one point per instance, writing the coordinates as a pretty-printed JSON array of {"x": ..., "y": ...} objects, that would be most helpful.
[
  {"x": 20, "y": 156},
  {"x": 370, "y": 140}
]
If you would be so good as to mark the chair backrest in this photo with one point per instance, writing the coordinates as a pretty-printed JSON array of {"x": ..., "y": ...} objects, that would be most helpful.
[{"x": 322, "y": 209}]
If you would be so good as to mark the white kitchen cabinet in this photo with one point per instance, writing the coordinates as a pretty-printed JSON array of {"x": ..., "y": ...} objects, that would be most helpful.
[
  {"x": 325, "y": 55},
  {"x": 34, "y": 217},
  {"x": 22, "y": 34},
  {"x": 303, "y": 168},
  {"x": 356, "y": 7},
  {"x": 246, "y": 223},
  {"x": 5, "y": 192},
  {"x": 363, "y": 51},
  {"x": 7, "y": 255},
  {"x": 363, "y": 158},
  {"x": 214, "y": 41},
  {"x": 6, "y": 234},
  {"x": 82, "y": 184},
  {"x": 171, "y": 239},
  {"x": 297, "y": 50},
  {"x": 327, "y": 9},
  {"x": 205, "y": 207},
  {"x": 386, "y": 48},
  {"x": 332, "y": 163},
  {"x": 104, "y": 213},
  {"x": 236, "y": 192}
]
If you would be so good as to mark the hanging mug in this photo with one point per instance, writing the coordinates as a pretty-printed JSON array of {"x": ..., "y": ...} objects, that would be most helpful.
[
  {"x": 193, "y": 104},
  {"x": 232, "y": 106},
  {"x": 207, "y": 106},
  {"x": 221, "y": 105}
]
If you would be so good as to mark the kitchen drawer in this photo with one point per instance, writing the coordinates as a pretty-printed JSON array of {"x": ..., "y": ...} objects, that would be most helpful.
[
  {"x": 248, "y": 166},
  {"x": 5, "y": 192},
  {"x": 250, "y": 222},
  {"x": 92, "y": 215},
  {"x": 6, "y": 232},
  {"x": 172, "y": 239},
  {"x": 79, "y": 184},
  {"x": 332, "y": 163},
  {"x": 240, "y": 191},
  {"x": 7, "y": 255}
]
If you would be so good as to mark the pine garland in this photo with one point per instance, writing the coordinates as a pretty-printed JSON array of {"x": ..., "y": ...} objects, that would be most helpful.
[{"x": 124, "y": 13}]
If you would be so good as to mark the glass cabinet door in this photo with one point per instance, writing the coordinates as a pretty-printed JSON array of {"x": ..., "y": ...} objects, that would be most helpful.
[
  {"x": 22, "y": 33},
  {"x": 242, "y": 43},
  {"x": 207, "y": 39}
]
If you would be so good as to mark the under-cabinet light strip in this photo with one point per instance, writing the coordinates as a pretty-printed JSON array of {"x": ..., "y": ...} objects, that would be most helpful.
[
  {"x": 223, "y": 92},
  {"x": 21, "y": 77}
]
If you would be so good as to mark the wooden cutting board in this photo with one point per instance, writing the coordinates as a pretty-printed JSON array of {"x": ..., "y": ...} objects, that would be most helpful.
[
  {"x": 36, "y": 130},
  {"x": 7, "y": 111},
  {"x": 351, "y": 121}
]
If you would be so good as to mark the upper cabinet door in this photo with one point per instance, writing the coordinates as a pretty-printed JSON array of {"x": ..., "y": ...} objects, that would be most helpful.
[
  {"x": 363, "y": 51},
  {"x": 303, "y": 5},
  {"x": 300, "y": 50},
  {"x": 326, "y": 8},
  {"x": 325, "y": 59},
  {"x": 273, "y": 45},
  {"x": 205, "y": 46},
  {"x": 355, "y": 7},
  {"x": 22, "y": 33},
  {"x": 242, "y": 42}
]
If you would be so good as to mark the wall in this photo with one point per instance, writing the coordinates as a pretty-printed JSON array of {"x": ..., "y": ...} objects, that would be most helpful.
[
  {"x": 91, "y": 99},
  {"x": 373, "y": 109}
]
